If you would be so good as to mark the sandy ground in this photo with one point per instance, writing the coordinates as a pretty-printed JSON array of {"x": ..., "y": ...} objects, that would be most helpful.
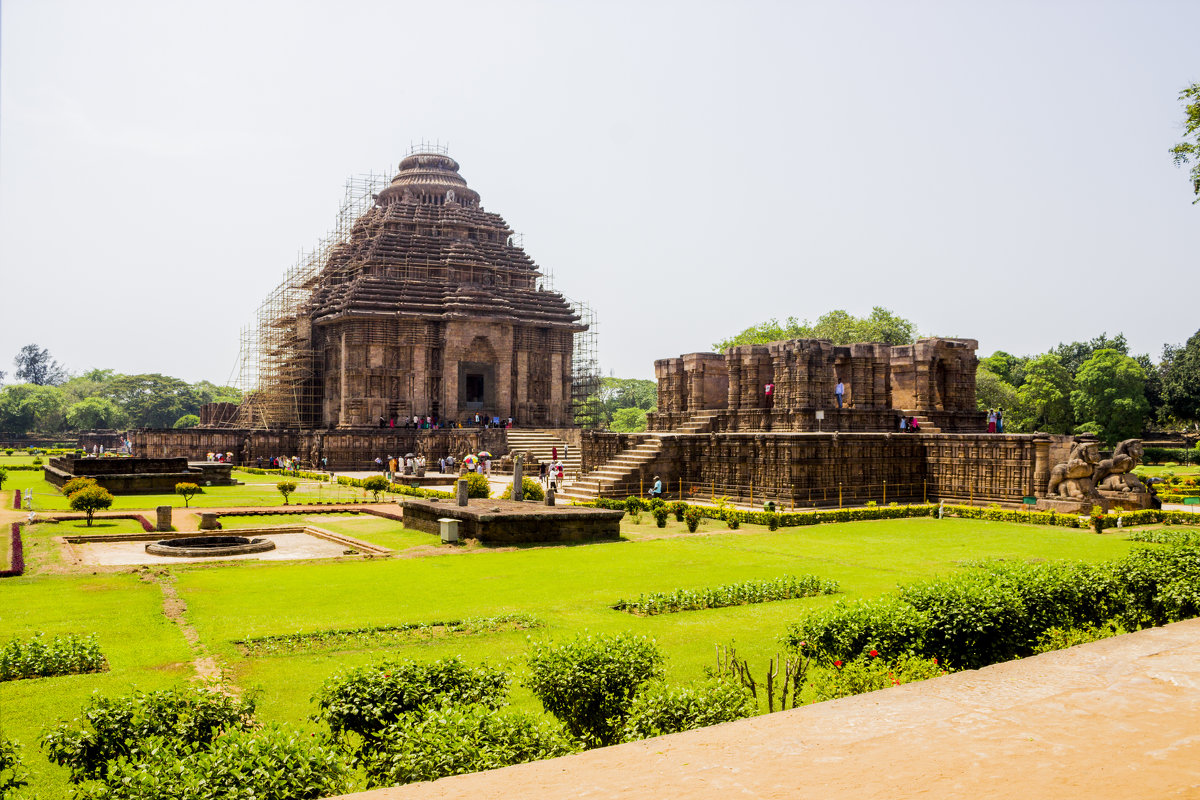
[
  {"x": 1118, "y": 718},
  {"x": 288, "y": 546}
]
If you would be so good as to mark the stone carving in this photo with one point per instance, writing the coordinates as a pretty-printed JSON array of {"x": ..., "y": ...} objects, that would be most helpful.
[
  {"x": 1073, "y": 477},
  {"x": 1116, "y": 474}
]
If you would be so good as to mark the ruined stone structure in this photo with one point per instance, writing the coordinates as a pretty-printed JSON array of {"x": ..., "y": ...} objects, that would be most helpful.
[
  {"x": 933, "y": 380},
  {"x": 429, "y": 309}
]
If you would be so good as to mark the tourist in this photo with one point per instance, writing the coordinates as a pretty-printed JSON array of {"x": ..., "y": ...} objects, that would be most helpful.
[
  {"x": 379, "y": 463},
  {"x": 510, "y": 422},
  {"x": 903, "y": 423},
  {"x": 769, "y": 392},
  {"x": 913, "y": 425},
  {"x": 999, "y": 420},
  {"x": 382, "y": 421},
  {"x": 991, "y": 420},
  {"x": 487, "y": 467},
  {"x": 839, "y": 392},
  {"x": 325, "y": 463},
  {"x": 542, "y": 472},
  {"x": 554, "y": 453},
  {"x": 656, "y": 489}
]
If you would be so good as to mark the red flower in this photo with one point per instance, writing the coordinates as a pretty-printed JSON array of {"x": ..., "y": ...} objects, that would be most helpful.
[
  {"x": 873, "y": 653},
  {"x": 935, "y": 660},
  {"x": 837, "y": 663}
]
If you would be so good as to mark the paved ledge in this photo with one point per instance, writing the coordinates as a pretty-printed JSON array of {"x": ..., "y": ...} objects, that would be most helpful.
[{"x": 1118, "y": 718}]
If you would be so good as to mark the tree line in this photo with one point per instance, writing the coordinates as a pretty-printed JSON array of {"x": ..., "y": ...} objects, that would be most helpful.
[{"x": 49, "y": 399}]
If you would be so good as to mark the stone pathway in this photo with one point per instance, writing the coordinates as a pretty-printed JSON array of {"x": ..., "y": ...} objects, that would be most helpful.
[{"x": 1118, "y": 718}]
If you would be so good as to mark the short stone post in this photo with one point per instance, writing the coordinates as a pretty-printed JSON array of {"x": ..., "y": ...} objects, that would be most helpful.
[
  {"x": 209, "y": 522},
  {"x": 518, "y": 492},
  {"x": 549, "y": 497},
  {"x": 164, "y": 518},
  {"x": 462, "y": 491}
]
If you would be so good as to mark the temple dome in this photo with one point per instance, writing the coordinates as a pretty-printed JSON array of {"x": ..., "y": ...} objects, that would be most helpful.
[{"x": 430, "y": 179}]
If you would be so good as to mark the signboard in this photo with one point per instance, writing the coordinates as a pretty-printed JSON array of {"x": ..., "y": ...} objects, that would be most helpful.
[
  {"x": 820, "y": 414},
  {"x": 1029, "y": 501},
  {"x": 1191, "y": 501}
]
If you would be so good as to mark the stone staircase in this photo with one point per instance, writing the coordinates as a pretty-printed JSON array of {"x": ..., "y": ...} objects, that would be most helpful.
[
  {"x": 541, "y": 444},
  {"x": 628, "y": 473},
  {"x": 924, "y": 425},
  {"x": 701, "y": 422}
]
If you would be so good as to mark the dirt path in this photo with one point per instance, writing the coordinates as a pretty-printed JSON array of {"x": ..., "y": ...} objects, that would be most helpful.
[{"x": 208, "y": 669}]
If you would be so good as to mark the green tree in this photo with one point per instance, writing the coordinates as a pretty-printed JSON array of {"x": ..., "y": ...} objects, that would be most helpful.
[
  {"x": 187, "y": 421},
  {"x": 839, "y": 326},
  {"x": 153, "y": 400},
  {"x": 286, "y": 488},
  {"x": 627, "y": 393},
  {"x": 1007, "y": 367},
  {"x": 35, "y": 365},
  {"x": 1045, "y": 396},
  {"x": 26, "y": 407},
  {"x": 376, "y": 485},
  {"x": 1181, "y": 379},
  {"x": 207, "y": 392},
  {"x": 992, "y": 391},
  {"x": 628, "y": 420},
  {"x": 92, "y": 413},
  {"x": 91, "y": 500},
  {"x": 1188, "y": 151},
  {"x": 1109, "y": 398},
  {"x": 1074, "y": 354},
  {"x": 187, "y": 491}
]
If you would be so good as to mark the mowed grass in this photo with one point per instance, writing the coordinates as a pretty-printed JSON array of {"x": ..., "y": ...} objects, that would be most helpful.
[{"x": 570, "y": 589}]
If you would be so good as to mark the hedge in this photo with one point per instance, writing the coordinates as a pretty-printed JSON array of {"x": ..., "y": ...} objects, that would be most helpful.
[
  {"x": 399, "y": 488},
  {"x": 16, "y": 565},
  {"x": 312, "y": 476}
]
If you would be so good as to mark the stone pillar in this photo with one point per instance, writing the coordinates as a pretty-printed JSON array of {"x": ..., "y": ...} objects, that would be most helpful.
[
  {"x": 164, "y": 518},
  {"x": 518, "y": 489},
  {"x": 462, "y": 491},
  {"x": 521, "y": 390},
  {"x": 1041, "y": 465},
  {"x": 549, "y": 497},
  {"x": 209, "y": 522}
]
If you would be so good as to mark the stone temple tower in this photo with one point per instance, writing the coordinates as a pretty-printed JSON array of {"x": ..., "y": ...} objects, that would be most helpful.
[{"x": 430, "y": 309}]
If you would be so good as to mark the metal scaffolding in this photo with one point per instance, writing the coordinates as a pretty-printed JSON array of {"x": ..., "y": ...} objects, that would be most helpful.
[
  {"x": 586, "y": 407},
  {"x": 278, "y": 369}
]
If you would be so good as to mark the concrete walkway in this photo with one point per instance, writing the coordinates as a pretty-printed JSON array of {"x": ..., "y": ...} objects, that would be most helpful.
[{"x": 1118, "y": 718}]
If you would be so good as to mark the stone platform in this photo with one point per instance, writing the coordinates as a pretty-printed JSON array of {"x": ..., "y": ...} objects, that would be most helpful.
[
  {"x": 128, "y": 475},
  {"x": 509, "y": 522}
]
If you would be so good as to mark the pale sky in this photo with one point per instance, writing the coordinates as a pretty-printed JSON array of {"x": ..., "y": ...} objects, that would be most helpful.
[{"x": 998, "y": 171}]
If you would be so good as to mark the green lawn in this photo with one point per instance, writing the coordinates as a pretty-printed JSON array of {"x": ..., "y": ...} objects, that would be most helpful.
[{"x": 570, "y": 589}]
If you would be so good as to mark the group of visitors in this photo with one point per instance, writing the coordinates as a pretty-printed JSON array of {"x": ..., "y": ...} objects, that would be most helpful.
[
  {"x": 285, "y": 463},
  {"x": 550, "y": 473},
  {"x": 995, "y": 420},
  {"x": 909, "y": 424},
  {"x": 485, "y": 421},
  {"x": 222, "y": 458},
  {"x": 433, "y": 423},
  {"x": 396, "y": 467}
]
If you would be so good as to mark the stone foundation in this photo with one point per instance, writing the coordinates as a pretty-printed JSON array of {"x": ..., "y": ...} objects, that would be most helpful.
[
  {"x": 136, "y": 475},
  {"x": 513, "y": 522}
]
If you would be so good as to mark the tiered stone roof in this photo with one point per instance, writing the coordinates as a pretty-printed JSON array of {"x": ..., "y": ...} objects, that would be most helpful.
[{"x": 428, "y": 250}]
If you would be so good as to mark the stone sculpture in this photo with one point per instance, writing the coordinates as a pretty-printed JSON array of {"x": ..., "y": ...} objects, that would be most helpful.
[
  {"x": 1074, "y": 477},
  {"x": 1116, "y": 474}
]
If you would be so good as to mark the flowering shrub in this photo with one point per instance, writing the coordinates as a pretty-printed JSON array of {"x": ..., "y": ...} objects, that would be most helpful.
[
  {"x": 678, "y": 508},
  {"x": 692, "y": 518},
  {"x": 734, "y": 594},
  {"x": 660, "y": 514},
  {"x": 872, "y": 672},
  {"x": 16, "y": 550}
]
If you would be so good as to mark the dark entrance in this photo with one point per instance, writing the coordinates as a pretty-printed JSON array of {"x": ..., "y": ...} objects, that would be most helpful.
[{"x": 474, "y": 388}]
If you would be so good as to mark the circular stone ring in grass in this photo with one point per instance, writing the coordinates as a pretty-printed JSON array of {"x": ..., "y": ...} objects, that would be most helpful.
[{"x": 201, "y": 546}]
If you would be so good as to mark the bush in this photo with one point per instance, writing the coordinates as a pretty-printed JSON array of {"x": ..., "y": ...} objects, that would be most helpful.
[
  {"x": 187, "y": 491},
  {"x": 76, "y": 484},
  {"x": 660, "y": 515},
  {"x": 286, "y": 488},
  {"x": 3, "y": 476},
  {"x": 444, "y": 740},
  {"x": 773, "y": 521},
  {"x": 376, "y": 485},
  {"x": 530, "y": 490},
  {"x": 113, "y": 728},
  {"x": 478, "y": 486},
  {"x": 692, "y": 517},
  {"x": 90, "y": 500},
  {"x": 37, "y": 462},
  {"x": 847, "y": 630},
  {"x": 734, "y": 594},
  {"x": 678, "y": 508},
  {"x": 1062, "y": 638},
  {"x": 590, "y": 683},
  {"x": 367, "y": 699},
  {"x": 62, "y": 655},
  {"x": 12, "y": 773},
  {"x": 1159, "y": 585},
  {"x": 661, "y": 710},
  {"x": 270, "y": 762},
  {"x": 656, "y": 502},
  {"x": 870, "y": 673},
  {"x": 731, "y": 520}
]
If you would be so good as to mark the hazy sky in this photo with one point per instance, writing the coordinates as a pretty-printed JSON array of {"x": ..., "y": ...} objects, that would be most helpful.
[{"x": 998, "y": 171}]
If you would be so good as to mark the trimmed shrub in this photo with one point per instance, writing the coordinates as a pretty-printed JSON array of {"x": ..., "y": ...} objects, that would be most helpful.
[
  {"x": 660, "y": 515},
  {"x": 286, "y": 488},
  {"x": 270, "y": 762},
  {"x": 90, "y": 500},
  {"x": 367, "y": 699},
  {"x": 870, "y": 673},
  {"x": 692, "y": 518},
  {"x": 76, "y": 484},
  {"x": 530, "y": 490},
  {"x": 662, "y": 709},
  {"x": 1062, "y": 638},
  {"x": 589, "y": 683},
  {"x": 62, "y": 655},
  {"x": 1159, "y": 585},
  {"x": 733, "y": 594},
  {"x": 187, "y": 491},
  {"x": 115, "y": 728},
  {"x": 678, "y": 508},
  {"x": 16, "y": 564},
  {"x": 444, "y": 740},
  {"x": 376, "y": 485}
]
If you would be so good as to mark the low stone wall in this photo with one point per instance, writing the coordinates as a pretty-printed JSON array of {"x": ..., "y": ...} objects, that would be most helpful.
[
  {"x": 509, "y": 522},
  {"x": 823, "y": 469},
  {"x": 844, "y": 420}
]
